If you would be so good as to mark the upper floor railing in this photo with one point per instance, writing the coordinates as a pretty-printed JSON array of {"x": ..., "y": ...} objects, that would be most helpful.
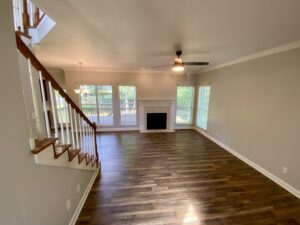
[{"x": 26, "y": 15}]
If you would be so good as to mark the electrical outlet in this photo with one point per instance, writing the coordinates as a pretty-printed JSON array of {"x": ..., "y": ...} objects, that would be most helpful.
[
  {"x": 217, "y": 133},
  {"x": 78, "y": 188},
  {"x": 68, "y": 204},
  {"x": 285, "y": 170}
]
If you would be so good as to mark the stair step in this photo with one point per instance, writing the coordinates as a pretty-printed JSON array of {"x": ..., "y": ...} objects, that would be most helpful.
[
  {"x": 60, "y": 149},
  {"x": 73, "y": 153},
  {"x": 81, "y": 157},
  {"x": 83, "y": 220},
  {"x": 41, "y": 145},
  {"x": 88, "y": 159}
]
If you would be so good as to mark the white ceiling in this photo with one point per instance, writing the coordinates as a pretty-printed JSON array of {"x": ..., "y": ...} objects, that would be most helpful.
[{"x": 136, "y": 34}]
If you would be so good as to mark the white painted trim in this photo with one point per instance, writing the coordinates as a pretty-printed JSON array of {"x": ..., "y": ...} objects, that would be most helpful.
[
  {"x": 157, "y": 131},
  {"x": 83, "y": 199},
  {"x": 107, "y": 129},
  {"x": 260, "y": 169},
  {"x": 271, "y": 51}
]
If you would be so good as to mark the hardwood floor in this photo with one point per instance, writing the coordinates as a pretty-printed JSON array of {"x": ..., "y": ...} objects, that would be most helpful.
[{"x": 181, "y": 178}]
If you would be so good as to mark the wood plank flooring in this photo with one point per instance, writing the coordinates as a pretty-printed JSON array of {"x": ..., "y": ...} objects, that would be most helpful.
[{"x": 181, "y": 178}]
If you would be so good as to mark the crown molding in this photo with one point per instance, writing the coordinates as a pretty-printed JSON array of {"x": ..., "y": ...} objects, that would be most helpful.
[
  {"x": 111, "y": 70},
  {"x": 271, "y": 51}
]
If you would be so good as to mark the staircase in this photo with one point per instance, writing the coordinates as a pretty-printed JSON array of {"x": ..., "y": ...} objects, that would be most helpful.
[
  {"x": 30, "y": 21},
  {"x": 61, "y": 134}
]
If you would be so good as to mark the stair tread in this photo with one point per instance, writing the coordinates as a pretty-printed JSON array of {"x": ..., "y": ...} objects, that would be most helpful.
[
  {"x": 64, "y": 147},
  {"x": 84, "y": 220},
  {"x": 41, "y": 145}
]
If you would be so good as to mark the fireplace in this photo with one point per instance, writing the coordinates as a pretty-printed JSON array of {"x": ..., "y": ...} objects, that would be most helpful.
[
  {"x": 156, "y": 121},
  {"x": 156, "y": 115}
]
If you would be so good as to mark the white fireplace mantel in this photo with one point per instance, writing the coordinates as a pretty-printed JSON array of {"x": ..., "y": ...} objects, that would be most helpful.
[{"x": 156, "y": 106}]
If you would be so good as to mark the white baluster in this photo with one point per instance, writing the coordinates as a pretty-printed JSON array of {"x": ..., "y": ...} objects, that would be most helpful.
[
  {"x": 31, "y": 13},
  {"x": 44, "y": 105},
  {"x": 59, "y": 108},
  {"x": 91, "y": 141},
  {"x": 67, "y": 122},
  {"x": 80, "y": 132},
  {"x": 88, "y": 139},
  {"x": 83, "y": 136},
  {"x": 16, "y": 15},
  {"x": 72, "y": 126},
  {"x": 20, "y": 6},
  {"x": 53, "y": 109},
  {"x": 76, "y": 130},
  {"x": 94, "y": 143}
]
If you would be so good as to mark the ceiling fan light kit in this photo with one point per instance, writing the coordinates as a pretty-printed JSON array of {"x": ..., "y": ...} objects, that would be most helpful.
[
  {"x": 179, "y": 65},
  {"x": 79, "y": 90},
  {"x": 178, "y": 68}
]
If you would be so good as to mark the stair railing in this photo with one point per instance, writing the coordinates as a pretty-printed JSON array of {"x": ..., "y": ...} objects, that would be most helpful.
[
  {"x": 26, "y": 15},
  {"x": 70, "y": 126}
]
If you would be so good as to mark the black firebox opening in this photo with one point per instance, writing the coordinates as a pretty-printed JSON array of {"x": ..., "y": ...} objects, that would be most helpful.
[{"x": 156, "y": 121}]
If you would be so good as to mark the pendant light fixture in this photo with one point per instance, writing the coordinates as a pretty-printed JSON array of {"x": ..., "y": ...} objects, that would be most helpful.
[{"x": 80, "y": 90}]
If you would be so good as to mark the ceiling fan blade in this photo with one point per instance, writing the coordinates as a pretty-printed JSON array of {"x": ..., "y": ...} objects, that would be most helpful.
[
  {"x": 196, "y": 63},
  {"x": 153, "y": 67}
]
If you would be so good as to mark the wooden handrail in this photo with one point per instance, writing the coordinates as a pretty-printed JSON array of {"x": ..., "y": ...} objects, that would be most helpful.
[{"x": 39, "y": 67}]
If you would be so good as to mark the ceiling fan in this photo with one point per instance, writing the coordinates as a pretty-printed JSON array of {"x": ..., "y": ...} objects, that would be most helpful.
[{"x": 178, "y": 64}]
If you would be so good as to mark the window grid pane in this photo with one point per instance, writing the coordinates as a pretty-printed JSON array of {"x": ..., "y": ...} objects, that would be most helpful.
[
  {"x": 62, "y": 110},
  {"x": 203, "y": 105},
  {"x": 184, "y": 105},
  {"x": 105, "y": 105},
  {"x": 127, "y": 97},
  {"x": 88, "y": 102}
]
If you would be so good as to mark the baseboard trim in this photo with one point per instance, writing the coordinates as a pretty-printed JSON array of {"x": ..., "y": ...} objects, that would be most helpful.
[
  {"x": 260, "y": 169},
  {"x": 83, "y": 199}
]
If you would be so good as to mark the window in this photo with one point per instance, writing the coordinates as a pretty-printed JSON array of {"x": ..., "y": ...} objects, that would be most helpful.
[
  {"x": 127, "y": 96},
  {"x": 62, "y": 108},
  {"x": 96, "y": 103},
  {"x": 184, "y": 105},
  {"x": 105, "y": 105},
  {"x": 203, "y": 104},
  {"x": 89, "y": 102}
]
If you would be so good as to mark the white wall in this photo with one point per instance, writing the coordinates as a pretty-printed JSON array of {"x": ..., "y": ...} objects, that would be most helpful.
[
  {"x": 59, "y": 76},
  {"x": 29, "y": 193},
  {"x": 255, "y": 109}
]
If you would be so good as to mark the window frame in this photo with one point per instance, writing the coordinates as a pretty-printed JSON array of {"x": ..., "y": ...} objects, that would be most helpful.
[
  {"x": 136, "y": 106},
  {"x": 97, "y": 103},
  {"x": 192, "y": 107},
  {"x": 199, "y": 108}
]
